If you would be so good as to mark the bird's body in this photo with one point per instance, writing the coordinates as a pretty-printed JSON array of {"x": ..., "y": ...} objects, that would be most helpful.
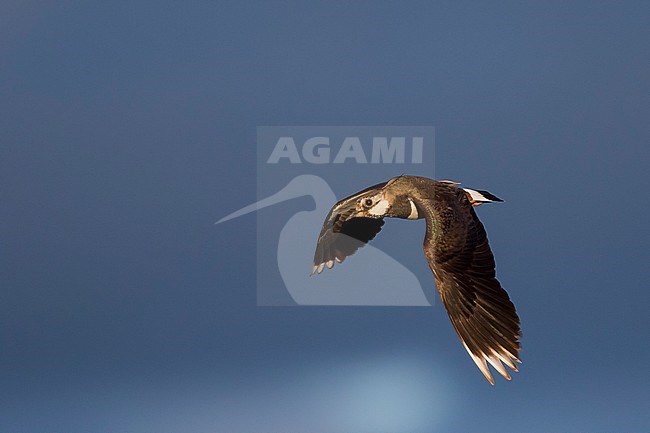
[{"x": 456, "y": 248}]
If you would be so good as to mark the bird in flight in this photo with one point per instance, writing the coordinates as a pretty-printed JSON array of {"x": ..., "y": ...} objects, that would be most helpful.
[{"x": 456, "y": 248}]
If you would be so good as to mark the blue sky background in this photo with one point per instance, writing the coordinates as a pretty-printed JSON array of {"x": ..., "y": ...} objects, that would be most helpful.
[{"x": 128, "y": 128}]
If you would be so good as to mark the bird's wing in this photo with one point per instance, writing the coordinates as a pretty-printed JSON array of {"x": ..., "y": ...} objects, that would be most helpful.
[
  {"x": 479, "y": 308},
  {"x": 342, "y": 233}
]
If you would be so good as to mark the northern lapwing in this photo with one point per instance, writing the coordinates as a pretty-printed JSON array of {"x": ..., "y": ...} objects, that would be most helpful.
[{"x": 456, "y": 248}]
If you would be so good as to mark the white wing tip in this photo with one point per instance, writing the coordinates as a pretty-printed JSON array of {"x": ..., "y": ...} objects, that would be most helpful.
[
  {"x": 496, "y": 360},
  {"x": 481, "y": 364},
  {"x": 317, "y": 269}
]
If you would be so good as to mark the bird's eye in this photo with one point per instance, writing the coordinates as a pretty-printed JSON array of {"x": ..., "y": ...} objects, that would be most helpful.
[{"x": 368, "y": 202}]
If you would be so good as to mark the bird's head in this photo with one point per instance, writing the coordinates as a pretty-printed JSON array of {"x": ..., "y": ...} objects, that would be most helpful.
[
  {"x": 373, "y": 205},
  {"x": 392, "y": 200},
  {"x": 385, "y": 204}
]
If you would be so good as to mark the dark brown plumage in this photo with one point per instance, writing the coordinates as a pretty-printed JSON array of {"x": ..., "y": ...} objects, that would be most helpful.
[{"x": 456, "y": 248}]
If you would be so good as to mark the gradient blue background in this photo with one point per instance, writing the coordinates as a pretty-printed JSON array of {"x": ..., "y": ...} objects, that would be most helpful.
[{"x": 128, "y": 128}]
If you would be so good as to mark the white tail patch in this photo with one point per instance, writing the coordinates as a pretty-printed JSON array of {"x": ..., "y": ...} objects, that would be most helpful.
[{"x": 477, "y": 197}]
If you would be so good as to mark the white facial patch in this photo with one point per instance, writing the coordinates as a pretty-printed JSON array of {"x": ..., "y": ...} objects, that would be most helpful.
[
  {"x": 380, "y": 208},
  {"x": 414, "y": 211}
]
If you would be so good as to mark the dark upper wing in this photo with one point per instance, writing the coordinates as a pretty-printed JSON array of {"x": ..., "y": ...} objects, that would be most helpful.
[
  {"x": 479, "y": 308},
  {"x": 342, "y": 234}
]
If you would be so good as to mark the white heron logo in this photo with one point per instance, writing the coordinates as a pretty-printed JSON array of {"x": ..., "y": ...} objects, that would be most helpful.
[{"x": 371, "y": 278}]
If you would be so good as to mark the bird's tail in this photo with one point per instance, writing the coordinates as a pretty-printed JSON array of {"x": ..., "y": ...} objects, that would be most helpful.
[{"x": 477, "y": 197}]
